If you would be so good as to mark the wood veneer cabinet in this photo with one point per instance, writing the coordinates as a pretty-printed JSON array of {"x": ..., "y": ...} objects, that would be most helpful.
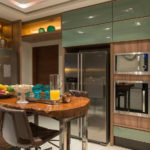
[
  {"x": 127, "y": 121},
  {"x": 134, "y": 122}
]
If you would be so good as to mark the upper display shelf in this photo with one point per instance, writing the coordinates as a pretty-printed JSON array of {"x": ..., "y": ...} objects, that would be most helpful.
[{"x": 47, "y": 25}]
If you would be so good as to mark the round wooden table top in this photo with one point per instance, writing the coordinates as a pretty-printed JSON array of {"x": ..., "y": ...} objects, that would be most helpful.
[{"x": 76, "y": 108}]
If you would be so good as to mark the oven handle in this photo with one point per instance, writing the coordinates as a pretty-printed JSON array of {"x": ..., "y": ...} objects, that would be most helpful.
[{"x": 143, "y": 99}]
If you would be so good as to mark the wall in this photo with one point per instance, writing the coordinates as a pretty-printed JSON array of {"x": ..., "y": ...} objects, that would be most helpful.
[{"x": 26, "y": 57}]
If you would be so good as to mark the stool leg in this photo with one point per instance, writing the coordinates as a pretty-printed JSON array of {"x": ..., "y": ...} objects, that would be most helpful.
[{"x": 85, "y": 132}]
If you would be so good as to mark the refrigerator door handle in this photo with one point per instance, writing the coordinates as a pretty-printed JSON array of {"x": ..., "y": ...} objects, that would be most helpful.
[
  {"x": 81, "y": 74},
  {"x": 78, "y": 67}
]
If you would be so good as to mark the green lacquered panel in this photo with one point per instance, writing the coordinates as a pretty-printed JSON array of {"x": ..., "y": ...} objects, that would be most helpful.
[
  {"x": 88, "y": 35},
  {"x": 135, "y": 29},
  {"x": 132, "y": 134},
  {"x": 97, "y": 14},
  {"x": 125, "y": 9}
]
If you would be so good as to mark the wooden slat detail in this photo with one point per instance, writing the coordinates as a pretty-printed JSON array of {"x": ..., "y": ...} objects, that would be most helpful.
[{"x": 126, "y": 121}]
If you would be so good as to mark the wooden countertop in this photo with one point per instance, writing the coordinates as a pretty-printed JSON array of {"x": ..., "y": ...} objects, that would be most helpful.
[{"x": 76, "y": 108}]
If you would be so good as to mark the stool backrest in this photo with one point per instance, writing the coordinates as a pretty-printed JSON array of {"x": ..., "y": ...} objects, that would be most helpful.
[{"x": 15, "y": 127}]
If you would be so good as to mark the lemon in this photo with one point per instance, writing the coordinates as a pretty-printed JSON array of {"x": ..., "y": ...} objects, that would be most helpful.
[{"x": 2, "y": 87}]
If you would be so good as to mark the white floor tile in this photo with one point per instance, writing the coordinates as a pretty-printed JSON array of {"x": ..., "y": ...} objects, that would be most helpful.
[{"x": 75, "y": 144}]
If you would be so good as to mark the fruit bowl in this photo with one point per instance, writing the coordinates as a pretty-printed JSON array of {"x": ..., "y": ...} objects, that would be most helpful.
[
  {"x": 22, "y": 89},
  {"x": 6, "y": 91},
  {"x": 7, "y": 95}
]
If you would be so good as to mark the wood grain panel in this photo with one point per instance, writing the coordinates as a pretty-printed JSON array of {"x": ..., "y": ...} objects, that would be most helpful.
[
  {"x": 7, "y": 34},
  {"x": 45, "y": 62},
  {"x": 126, "y": 120},
  {"x": 144, "y": 123},
  {"x": 132, "y": 46},
  {"x": 144, "y": 46},
  {"x": 132, "y": 77},
  {"x": 111, "y": 94},
  {"x": 16, "y": 45},
  {"x": 125, "y": 47},
  {"x": 76, "y": 108},
  {"x": 54, "y": 35}
]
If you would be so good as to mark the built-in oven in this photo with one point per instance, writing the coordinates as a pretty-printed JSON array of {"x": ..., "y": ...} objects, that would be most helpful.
[
  {"x": 132, "y": 63},
  {"x": 132, "y": 96}
]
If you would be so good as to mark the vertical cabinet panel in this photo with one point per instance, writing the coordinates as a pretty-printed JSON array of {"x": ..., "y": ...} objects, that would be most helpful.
[
  {"x": 87, "y": 16},
  {"x": 88, "y": 35},
  {"x": 135, "y": 29},
  {"x": 125, "y": 9}
]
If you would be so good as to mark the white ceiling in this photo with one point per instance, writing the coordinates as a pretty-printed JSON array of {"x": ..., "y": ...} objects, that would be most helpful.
[{"x": 40, "y": 8}]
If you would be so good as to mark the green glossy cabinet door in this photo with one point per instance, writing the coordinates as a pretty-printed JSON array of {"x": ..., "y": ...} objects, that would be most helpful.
[
  {"x": 125, "y": 9},
  {"x": 88, "y": 35},
  {"x": 92, "y": 15},
  {"x": 128, "y": 30}
]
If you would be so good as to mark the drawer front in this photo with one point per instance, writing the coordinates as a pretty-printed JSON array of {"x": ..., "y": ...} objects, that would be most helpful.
[
  {"x": 132, "y": 134},
  {"x": 88, "y": 35},
  {"x": 125, "y": 9},
  {"x": 87, "y": 16},
  {"x": 135, "y": 29}
]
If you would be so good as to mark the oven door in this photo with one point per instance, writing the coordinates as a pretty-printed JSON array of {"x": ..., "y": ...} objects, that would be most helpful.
[
  {"x": 139, "y": 98},
  {"x": 132, "y": 96}
]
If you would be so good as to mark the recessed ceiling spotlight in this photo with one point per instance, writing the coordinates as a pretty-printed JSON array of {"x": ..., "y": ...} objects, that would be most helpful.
[
  {"x": 108, "y": 37},
  {"x": 107, "y": 28},
  {"x": 128, "y": 10},
  {"x": 80, "y": 32},
  {"x": 138, "y": 23},
  {"x": 91, "y": 17}
]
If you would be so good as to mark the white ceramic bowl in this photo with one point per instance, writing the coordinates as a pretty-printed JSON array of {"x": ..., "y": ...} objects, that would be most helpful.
[{"x": 22, "y": 89}]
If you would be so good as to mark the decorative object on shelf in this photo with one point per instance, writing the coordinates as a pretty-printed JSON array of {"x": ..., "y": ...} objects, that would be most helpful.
[
  {"x": 50, "y": 28},
  {"x": 3, "y": 43},
  {"x": 41, "y": 30},
  {"x": 22, "y": 89}
]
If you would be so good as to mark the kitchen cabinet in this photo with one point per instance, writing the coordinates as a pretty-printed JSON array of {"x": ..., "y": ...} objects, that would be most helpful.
[
  {"x": 134, "y": 29},
  {"x": 87, "y": 35},
  {"x": 126, "y": 9},
  {"x": 132, "y": 134},
  {"x": 92, "y": 15}
]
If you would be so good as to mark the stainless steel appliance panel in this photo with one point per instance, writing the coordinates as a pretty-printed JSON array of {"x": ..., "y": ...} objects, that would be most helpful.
[
  {"x": 93, "y": 76},
  {"x": 133, "y": 63},
  {"x": 72, "y": 82},
  {"x": 132, "y": 96},
  {"x": 8, "y": 67}
]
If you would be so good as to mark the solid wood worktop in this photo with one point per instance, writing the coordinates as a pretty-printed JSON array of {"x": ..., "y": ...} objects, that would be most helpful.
[{"x": 76, "y": 108}]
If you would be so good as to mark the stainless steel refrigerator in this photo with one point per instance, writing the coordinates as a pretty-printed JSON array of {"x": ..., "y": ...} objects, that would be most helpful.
[
  {"x": 8, "y": 66},
  {"x": 89, "y": 71}
]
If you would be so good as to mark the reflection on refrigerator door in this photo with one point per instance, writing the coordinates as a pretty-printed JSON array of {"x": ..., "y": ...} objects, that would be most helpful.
[
  {"x": 94, "y": 81},
  {"x": 91, "y": 75}
]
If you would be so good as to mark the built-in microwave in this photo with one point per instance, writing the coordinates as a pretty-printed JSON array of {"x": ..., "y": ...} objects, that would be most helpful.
[
  {"x": 132, "y": 96},
  {"x": 132, "y": 63}
]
